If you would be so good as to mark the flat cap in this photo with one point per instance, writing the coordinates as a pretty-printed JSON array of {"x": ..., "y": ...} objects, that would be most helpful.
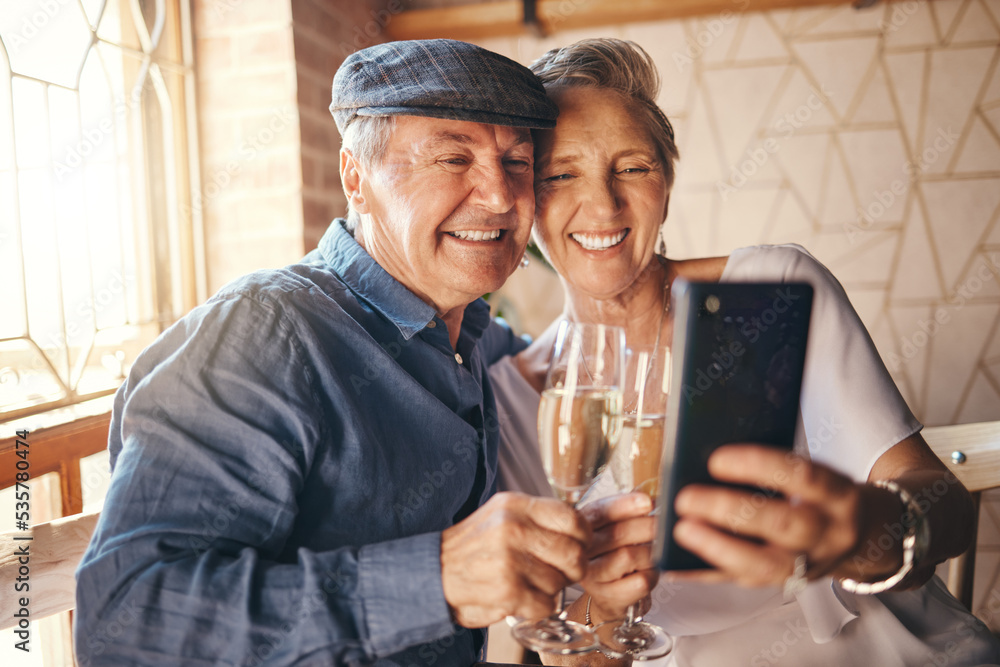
[{"x": 440, "y": 78}]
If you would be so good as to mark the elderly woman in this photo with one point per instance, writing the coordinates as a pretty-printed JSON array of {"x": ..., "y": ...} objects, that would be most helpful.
[{"x": 603, "y": 179}]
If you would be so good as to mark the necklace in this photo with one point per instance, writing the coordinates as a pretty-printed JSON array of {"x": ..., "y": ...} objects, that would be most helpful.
[{"x": 664, "y": 309}]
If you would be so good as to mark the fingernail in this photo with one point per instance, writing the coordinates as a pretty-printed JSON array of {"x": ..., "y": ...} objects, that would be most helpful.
[
  {"x": 643, "y": 503},
  {"x": 720, "y": 458},
  {"x": 681, "y": 503},
  {"x": 685, "y": 532}
]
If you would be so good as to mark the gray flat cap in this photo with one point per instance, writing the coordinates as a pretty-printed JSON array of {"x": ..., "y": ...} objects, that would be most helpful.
[{"x": 440, "y": 78}]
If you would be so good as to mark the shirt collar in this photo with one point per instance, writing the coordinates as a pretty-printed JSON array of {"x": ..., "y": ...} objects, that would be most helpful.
[
  {"x": 366, "y": 278},
  {"x": 476, "y": 319}
]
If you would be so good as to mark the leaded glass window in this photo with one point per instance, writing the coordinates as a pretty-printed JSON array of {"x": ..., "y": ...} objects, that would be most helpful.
[{"x": 98, "y": 247}]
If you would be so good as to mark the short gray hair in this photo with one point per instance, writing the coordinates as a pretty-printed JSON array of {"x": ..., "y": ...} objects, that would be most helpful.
[
  {"x": 367, "y": 137},
  {"x": 623, "y": 67}
]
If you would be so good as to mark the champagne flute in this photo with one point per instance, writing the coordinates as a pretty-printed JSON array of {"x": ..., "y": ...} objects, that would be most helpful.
[
  {"x": 635, "y": 465},
  {"x": 579, "y": 420}
]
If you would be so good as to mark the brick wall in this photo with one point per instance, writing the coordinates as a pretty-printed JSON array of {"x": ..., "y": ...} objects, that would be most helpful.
[
  {"x": 268, "y": 145},
  {"x": 248, "y": 134},
  {"x": 325, "y": 33}
]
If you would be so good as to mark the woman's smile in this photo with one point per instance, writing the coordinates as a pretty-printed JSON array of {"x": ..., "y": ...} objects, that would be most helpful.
[{"x": 599, "y": 241}]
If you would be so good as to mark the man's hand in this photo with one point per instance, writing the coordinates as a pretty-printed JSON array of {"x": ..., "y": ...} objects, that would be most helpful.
[
  {"x": 621, "y": 569},
  {"x": 511, "y": 557}
]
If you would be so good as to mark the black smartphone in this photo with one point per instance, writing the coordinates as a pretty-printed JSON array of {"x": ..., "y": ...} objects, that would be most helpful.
[{"x": 738, "y": 351}]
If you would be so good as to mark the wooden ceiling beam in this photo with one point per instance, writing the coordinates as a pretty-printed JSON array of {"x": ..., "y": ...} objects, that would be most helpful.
[
  {"x": 504, "y": 18},
  {"x": 490, "y": 19}
]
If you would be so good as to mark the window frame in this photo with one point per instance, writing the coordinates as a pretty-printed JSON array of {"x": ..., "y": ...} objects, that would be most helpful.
[{"x": 186, "y": 270}]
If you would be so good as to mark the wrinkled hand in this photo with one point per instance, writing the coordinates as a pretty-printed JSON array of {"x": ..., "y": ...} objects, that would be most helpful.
[
  {"x": 753, "y": 537},
  {"x": 511, "y": 557},
  {"x": 621, "y": 569}
]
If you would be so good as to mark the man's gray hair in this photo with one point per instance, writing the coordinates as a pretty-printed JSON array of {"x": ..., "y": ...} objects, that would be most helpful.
[{"x": 367, "y": 138}]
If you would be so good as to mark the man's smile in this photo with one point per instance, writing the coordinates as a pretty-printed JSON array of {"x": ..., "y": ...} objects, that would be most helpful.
[{"x": 477, "y": 234}]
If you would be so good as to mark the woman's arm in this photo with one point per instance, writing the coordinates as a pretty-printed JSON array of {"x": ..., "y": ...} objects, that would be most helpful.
[
  {"x": 844, "y": 528},
  {"x": 947, "y": 506}
]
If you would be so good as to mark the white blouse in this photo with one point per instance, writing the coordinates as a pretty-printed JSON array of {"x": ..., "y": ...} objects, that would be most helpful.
[{"x": 850, "y": 414}]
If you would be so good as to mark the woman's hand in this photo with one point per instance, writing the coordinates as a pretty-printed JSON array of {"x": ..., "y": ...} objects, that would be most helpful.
[
  {"x": 620, "y": 570},
  {"x": 754, "y": 537}
]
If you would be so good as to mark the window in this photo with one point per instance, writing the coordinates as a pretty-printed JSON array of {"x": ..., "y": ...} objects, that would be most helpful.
[{"x": 100, "y": 249}]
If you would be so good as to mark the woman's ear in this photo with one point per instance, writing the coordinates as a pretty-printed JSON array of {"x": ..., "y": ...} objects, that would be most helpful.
[{"x": 352, "y": 176}]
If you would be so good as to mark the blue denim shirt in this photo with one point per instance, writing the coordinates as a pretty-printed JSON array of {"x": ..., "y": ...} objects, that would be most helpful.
[{"x": 284, "y": 459}]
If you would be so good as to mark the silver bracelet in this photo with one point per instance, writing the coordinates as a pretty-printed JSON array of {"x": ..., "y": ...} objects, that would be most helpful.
[
  {"x": 915, "y": 543},
  {"x": 586, "y": 617}
]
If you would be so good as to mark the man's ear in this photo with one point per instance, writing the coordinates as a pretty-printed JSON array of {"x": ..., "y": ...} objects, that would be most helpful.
[{"x": 352, "y": 176}]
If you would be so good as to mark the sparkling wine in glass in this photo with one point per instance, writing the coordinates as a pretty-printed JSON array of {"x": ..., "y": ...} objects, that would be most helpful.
[
  {"x": 641, "y": 444},
  {"x": 575, "y": 431},
  {"x": 579, "y": 421},
  {"x": 635, "y": 465}
]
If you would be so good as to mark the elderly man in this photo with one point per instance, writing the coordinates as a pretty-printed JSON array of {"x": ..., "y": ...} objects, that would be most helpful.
[{"x": 303, "y": 466}]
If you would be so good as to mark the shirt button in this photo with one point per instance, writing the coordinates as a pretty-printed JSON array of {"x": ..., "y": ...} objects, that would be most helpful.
[
  {"x": 458, "y": 357},
  {"x": 431, "y": 324}
]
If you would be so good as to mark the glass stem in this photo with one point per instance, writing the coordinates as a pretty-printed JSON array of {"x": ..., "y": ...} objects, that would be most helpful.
[
  {"x": 632, "y": 615},
  {"x": 561, "y": 607}
]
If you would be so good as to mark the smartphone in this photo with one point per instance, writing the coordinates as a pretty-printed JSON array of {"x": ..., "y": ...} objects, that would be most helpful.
[{"x": 738, "y": 351}]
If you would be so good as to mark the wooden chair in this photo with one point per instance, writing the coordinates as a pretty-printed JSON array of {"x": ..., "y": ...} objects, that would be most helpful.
[
  {"x": 972, "y": 453},
  {"x": 56, "y": 546},
  {"x": 54, "y": 551}
]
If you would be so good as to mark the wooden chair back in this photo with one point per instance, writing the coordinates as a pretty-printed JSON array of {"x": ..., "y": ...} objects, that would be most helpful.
[
  {"x": 972, "y": 453},
  {"x": 54, "y": 550}
]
